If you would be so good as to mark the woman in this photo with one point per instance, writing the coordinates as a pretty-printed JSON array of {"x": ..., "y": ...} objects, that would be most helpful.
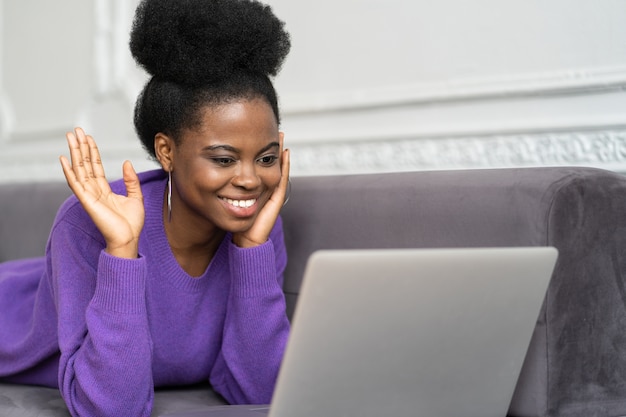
[{"x": 172, "y": 276}]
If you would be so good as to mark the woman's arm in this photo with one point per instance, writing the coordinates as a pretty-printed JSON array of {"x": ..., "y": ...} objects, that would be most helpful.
[
  {"x": 256, "y": 327},
  {"x": 106, "y": 348},
  {"x": 99, "y": 288}
]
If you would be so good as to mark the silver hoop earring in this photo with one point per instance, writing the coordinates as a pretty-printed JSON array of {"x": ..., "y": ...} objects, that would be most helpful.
[
  {"x": 288, "y": 192},
  {"x": 169, "y": 196}
]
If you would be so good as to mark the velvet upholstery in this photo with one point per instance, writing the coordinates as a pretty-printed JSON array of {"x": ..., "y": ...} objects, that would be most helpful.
[{"x": 574, "y": 365}]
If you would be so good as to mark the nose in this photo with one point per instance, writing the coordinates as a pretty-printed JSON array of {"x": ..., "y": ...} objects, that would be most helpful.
[{"x": 246, "y": 177}]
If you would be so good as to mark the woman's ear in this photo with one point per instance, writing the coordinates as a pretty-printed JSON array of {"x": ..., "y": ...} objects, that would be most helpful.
[{"x": 163, "y": 149}]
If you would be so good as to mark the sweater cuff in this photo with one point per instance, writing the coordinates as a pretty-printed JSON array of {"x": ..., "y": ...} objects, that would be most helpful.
[
  {"x": 120, "y": 284},
  {"x": 253, "y": 270}
]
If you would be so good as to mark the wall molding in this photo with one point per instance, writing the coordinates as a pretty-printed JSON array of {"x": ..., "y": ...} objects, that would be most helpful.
[
  {"x": 7, "y": 116},
  {"x": 571, "y": 81},
  {"x": 6, "y": 113},
  {"x": 602, "y": 148},
  {"x": 111, "y": 54}
]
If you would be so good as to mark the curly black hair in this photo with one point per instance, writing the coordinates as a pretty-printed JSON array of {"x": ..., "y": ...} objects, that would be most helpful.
[{"x": 199, "y": 53}]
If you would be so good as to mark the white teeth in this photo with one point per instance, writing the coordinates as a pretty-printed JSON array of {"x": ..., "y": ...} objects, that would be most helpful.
[{"x": 240, "y": 203}]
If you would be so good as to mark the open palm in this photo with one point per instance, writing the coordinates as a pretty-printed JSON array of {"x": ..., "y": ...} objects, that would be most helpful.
[{"x": 119, "y": 218}]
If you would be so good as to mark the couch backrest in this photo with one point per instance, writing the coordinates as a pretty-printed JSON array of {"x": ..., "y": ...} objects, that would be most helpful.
[
  {"x": 504, "y": 207},
  {"x": 26, "y": 213}
]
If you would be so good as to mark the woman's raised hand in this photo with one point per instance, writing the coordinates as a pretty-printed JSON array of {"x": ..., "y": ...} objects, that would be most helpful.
[
  {"x": 119, "y": 218},
  {"x": 260, "y": 230}
]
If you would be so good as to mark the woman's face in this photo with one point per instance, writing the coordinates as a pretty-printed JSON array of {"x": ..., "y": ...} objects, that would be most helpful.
[{"x": 224, "y": 171}]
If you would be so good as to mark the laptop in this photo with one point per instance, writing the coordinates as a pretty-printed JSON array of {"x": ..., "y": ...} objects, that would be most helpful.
[{"x": 407, "y": 332}]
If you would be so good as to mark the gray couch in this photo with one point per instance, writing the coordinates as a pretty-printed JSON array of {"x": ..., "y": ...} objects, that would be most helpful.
[{"x": 576, "y": 362}]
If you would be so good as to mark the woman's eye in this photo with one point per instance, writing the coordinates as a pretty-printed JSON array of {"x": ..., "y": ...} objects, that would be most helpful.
[
  {"x": 268, "y": 159},
  {"x": 223, "y": 161}
]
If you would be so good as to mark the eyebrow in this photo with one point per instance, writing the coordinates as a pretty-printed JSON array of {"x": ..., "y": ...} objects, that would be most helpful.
[{"x": 230, "y": 148}]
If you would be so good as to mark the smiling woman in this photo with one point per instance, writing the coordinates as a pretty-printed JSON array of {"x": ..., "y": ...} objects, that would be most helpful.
[
  {"x": 172, "y": 276},
  {"x": 222, "y": 174}
]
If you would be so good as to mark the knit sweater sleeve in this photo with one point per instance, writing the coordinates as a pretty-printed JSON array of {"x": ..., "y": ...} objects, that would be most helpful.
[
  {"x": 106, "y": 348},
  {"x": 256, "y": 326}
]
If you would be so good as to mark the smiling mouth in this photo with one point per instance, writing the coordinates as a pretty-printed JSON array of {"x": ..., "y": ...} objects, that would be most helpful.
[{"x": 240, "y": 203}]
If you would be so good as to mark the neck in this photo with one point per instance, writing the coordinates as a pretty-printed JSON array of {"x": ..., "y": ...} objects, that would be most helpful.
[{"x": 193, "y": 245}]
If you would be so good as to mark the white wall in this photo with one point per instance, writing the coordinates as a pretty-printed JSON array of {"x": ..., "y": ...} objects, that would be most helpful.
[{"x": 370, "y": 85}]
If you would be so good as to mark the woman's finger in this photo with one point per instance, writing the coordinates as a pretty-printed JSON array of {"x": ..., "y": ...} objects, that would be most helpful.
[
  {"x": 67, "y": 171},
  {"x": 278, "y": 196},
  {"x": 283, "y": 185},
  {"x": 70, "y": 176},
  {"x": 85, "y": 152},
  {"x": 76, "y": 157},
  {"x": 96, "y": 162},
  {"x": 131, "y": 180}
]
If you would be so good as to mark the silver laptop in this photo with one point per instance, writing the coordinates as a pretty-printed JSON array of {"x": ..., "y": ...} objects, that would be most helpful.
[{"x": 408, "y": 332}]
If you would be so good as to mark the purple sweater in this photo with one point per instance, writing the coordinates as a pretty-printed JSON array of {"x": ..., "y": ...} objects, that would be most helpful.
[{"x": 107, "y": 330}]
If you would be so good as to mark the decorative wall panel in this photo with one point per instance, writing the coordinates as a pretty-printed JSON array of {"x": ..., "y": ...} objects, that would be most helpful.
[{"x": 606, "y": 149}]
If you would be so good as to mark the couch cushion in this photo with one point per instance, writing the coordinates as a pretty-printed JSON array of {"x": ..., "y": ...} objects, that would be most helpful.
[{"x": 26, "y": 401}]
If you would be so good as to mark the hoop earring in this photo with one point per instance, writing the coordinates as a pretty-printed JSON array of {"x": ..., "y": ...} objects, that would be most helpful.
[
  {"x": 169, "y": 196},
  {"x": 288, "y": 192}
]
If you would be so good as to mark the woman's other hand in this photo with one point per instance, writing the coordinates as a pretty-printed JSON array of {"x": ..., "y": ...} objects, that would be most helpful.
[
  {"x": 119, "y": 218},
  {"x": 260, "y": 230}
]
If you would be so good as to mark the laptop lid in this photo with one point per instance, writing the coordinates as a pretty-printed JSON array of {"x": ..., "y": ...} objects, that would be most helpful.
[
  {"x": 408, "y": 332},
  {"x": 434, "y": 333}
]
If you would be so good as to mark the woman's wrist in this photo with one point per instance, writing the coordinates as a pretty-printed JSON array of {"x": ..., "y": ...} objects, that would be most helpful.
[
  {"x": 127, "y": 251},
  {"x": 243, "y": 242}
]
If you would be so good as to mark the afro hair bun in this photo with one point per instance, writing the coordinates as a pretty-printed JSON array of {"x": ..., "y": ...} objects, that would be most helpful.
[{"x": 193, "y": 42}]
